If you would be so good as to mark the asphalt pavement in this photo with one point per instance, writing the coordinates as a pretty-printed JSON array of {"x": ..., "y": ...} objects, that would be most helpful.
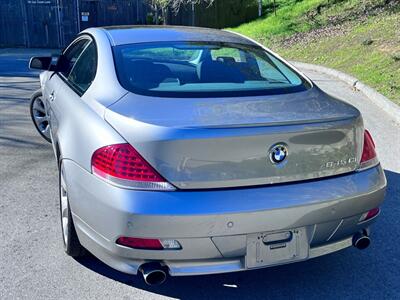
[{"x": 34, "y": 266}]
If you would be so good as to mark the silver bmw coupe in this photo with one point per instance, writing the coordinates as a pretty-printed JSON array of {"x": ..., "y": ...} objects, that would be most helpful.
[{"x": 188, "y": 151}]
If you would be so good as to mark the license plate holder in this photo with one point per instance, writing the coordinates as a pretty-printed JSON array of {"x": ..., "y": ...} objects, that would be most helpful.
[{"x": 274, "y": 248}]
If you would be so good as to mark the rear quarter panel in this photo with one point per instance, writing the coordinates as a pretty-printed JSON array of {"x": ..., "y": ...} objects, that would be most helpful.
[
  {"x": 80, "y": 126},
  {"x": 79, "y": 129}
]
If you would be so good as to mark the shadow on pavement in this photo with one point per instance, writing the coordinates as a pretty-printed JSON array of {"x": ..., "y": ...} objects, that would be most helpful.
[
  {"x": 12, "y": 142},
  {"x": 15, "y": 61},
  {"x": 336, "y": 275}
]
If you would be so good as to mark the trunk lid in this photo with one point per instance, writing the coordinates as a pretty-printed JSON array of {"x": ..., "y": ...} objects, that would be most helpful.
[{"x": 228, "y": 142}]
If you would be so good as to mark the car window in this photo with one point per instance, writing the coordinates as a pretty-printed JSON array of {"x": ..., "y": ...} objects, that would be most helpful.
[
  {"x": 71, "y": 55},
  {"x": 203, "y": 69},
  {"x": 84, "y": 69},
  {"x": 275, "y": 71}
]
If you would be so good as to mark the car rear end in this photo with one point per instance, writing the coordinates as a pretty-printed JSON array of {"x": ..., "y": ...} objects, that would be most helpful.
[
  {"x": 218, "y": 230},
  {"x": 223, "y": 173}
]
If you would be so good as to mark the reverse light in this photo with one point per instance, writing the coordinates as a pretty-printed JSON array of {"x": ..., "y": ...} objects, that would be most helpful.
[
  {"x": 149, "y": 244},
  {"x": 369, "y": 214},
  {"x": 122, "y": 165},
  {"x": 368, "y": 158}
]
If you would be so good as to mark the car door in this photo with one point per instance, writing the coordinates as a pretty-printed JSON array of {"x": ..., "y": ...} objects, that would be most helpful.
[
  {"x": 54, "y": 84},
  {"x": 66, "y": 88}
]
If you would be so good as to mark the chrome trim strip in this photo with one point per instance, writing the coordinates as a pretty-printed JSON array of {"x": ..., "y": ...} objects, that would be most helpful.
[
  {"x": 336, "y": 229},
  {"x": 330, "y": 248},
  {"x": 372, "y": 163},
  {"x": 313, "y": 233},
  {"x": 182, "y": 268},
  {"x": 204, "y": 267}
]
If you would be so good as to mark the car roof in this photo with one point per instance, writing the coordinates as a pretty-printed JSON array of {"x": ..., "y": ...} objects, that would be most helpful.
[{"x": 121, "y": 35}]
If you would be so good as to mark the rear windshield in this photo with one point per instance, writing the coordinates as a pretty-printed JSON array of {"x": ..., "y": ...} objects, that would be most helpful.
[{"x": 198, "y": 69}]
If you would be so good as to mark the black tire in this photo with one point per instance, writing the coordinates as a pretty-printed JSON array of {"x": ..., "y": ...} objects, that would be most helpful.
[
  {"x": 72, "y": 246},
  {"x": 34, "y": 97}
]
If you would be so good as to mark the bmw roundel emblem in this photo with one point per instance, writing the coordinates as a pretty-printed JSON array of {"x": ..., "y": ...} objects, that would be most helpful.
[{"x": 278, "y": 153}]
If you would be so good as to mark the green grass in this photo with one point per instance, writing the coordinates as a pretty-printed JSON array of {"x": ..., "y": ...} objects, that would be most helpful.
[
  {"x": 293, "y": 16},
  {"x": 376, "y": 64},
  {"x": 286, "y": 21}
]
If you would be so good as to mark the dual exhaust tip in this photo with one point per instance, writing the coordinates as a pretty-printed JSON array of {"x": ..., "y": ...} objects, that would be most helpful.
[
  {"x": 155, "y": 274},
  {"x": 361, "y": 240}
]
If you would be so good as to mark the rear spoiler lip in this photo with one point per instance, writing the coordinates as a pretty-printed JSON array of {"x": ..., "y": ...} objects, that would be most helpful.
[{"x": 271, "y": 124}]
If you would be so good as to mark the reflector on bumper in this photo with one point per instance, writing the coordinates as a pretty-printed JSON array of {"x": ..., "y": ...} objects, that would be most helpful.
[{"x": 149, "y": 244}]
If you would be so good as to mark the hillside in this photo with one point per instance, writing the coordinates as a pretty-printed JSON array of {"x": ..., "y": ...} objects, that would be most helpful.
[{"x": 359, "y": 37}]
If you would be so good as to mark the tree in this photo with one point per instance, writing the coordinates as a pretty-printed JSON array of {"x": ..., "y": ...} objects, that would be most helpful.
[
  {"x": 175, "y": 5},
  {"x": 156, "y": 6}
]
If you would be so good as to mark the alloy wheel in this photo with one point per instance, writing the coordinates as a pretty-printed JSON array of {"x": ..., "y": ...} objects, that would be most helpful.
[
  {"x": 40, "y": 117},
  {"x": 64, "y": 208}
]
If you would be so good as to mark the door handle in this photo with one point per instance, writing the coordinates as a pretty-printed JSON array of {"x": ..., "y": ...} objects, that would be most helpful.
[{"x": 52, "y": 97}]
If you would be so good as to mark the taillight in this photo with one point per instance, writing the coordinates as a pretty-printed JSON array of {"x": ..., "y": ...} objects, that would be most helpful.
[
  {"x": 369, "y": 148},
  {"x": 149, "y": 244},
  {"x": 368, "y": 157},
  {"x": 369, "y": 214},
  {"x": 122, "y": 165}
]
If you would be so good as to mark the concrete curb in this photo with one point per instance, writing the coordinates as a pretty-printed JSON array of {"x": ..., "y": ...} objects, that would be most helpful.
[{"x": 378, "y": 99}]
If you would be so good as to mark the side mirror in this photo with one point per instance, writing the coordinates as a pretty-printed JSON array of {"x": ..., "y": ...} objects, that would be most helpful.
[{"x": 40, "y": 63}]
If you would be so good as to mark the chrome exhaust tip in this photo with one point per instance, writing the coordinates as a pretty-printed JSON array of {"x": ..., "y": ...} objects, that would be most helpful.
[
  {"x": 361, "y": 241},
  {"x": 153, "y": 273}
]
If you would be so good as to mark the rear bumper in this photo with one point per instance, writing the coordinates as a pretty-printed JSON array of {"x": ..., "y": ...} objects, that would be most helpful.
[
  {"x": 182, "y": 268},
  {"x": 212, "y": 226}
]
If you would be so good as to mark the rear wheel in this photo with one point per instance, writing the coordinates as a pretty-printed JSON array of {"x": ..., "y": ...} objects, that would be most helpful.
[
  {"x": 39, "y": 116},
  {"x": 72, "y": 246}
]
